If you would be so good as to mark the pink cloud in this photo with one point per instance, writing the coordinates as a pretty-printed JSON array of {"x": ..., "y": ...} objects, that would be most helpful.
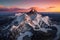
[{"x": 1, "y": 6}]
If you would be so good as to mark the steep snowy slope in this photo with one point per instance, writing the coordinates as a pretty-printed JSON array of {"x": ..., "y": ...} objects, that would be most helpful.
[{"x": 31, "y": 27}]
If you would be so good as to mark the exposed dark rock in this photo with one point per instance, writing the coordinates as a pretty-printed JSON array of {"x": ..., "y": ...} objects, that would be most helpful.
[{"x": 39, "y": 35}]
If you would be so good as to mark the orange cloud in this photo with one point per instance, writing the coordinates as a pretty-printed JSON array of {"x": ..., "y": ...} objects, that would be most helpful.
[
  {"x": 52, "y": 9},
  {"x": 46, "y": 9}
]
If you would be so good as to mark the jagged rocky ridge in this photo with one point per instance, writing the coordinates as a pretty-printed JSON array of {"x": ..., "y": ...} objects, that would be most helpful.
[{"x": 30, "y": 26}]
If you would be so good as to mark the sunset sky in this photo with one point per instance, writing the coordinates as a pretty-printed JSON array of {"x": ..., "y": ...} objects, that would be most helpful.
[{"x": 47, "y": 5}]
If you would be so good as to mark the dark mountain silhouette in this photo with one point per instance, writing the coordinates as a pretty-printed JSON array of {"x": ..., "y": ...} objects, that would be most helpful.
[{"x": 32, "y": 11}]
